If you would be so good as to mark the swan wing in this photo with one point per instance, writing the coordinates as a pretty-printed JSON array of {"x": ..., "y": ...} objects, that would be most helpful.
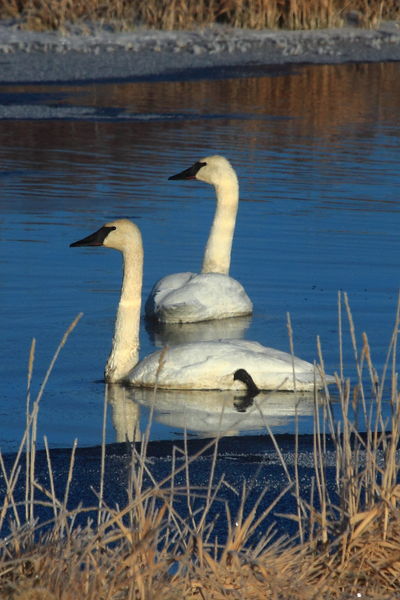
[
  {"x": 165, "y": 286},
  {"x": 211, "y": 365},
  {"x": 201, "y": 297}
]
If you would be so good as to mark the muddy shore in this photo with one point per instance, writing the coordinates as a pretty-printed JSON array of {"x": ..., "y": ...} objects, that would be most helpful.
[{"x": 101, "y": 55}]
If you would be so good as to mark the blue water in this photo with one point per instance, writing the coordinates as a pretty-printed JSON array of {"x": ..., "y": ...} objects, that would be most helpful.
[{"x": 317, "y": 154}]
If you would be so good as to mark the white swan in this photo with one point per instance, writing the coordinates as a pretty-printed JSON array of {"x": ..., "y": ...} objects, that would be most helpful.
[
  {"x": 212, "y": 294},
  {"x": 195, "y": 365}
]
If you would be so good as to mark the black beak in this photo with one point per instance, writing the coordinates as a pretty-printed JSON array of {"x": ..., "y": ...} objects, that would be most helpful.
[
  {"x": 189, "y": 173},
  {"x": 95, "y": 239}
]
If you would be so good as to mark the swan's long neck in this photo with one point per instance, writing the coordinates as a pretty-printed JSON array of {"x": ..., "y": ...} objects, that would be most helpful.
[
  {"x": 125, "y": 345},
  {"x": 217, "y": 255}
]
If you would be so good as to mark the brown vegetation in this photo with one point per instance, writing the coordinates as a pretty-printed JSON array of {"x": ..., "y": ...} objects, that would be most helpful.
[
  {"x": 185, "y": 14},
  {"x": 346, "y": 549}
]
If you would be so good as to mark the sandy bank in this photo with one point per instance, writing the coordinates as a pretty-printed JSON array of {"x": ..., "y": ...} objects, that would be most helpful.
[{"x": 39, "y": 57}]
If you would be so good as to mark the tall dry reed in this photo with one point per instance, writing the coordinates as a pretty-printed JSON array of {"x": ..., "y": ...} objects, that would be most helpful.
[{"x": 348, "y": 541}]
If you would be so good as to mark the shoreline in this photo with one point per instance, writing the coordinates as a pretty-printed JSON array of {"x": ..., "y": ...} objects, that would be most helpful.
[{"x": 50, "y": 57}]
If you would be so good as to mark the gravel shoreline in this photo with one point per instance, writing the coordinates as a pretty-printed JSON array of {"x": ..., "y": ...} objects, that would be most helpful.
[{"x": 27, "y": 57}]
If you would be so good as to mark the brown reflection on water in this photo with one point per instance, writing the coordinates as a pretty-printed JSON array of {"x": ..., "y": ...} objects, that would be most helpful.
[
  {"x": 321, "y": 102},
  {"x": 317, "y": 92}
]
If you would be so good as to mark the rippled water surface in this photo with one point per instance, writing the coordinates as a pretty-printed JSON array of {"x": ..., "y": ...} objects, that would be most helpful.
[{"x": 317, "y": 153}]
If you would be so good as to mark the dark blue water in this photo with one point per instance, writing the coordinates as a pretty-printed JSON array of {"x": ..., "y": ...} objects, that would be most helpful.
[{"x": 317, "y": 154}]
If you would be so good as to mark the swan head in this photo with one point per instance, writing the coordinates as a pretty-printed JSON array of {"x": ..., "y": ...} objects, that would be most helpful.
[
  {"x": 117, "y": 234},
  {"x": 246, "y": 378},
  {"x": 215, "y": 170}
]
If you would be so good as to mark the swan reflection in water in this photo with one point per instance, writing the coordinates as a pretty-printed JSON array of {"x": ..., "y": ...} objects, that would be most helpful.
[
  {"x": 125, "y": 413},
  {"x": 171, "y": 334},
  {"x": 211, "y": 294},
  {"x": 206, "y": 413}
]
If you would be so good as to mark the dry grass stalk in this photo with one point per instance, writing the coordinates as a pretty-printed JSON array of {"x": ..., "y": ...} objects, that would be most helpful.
[
  {"x": 347, "y": 544},
  {"x": 185, "y": 14}
]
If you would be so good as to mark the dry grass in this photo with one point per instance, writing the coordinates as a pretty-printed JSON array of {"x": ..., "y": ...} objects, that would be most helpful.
[
  {"x": 347, "y": 546},
  {"x": 186, "y": 14}
]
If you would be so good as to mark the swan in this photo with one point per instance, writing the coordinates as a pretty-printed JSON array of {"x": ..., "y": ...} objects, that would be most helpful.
[
  {"x": 193, "y": 365},
  {"x": 211, "y": 294}
]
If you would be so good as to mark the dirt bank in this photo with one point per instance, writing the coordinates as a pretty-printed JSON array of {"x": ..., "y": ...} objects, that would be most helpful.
[{"x": 102, "y": 55}]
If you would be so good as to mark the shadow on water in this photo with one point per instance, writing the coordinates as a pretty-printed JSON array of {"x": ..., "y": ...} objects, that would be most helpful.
[
  {"x": 251, "y": 459},
  {"x": 241, "y": 461}
]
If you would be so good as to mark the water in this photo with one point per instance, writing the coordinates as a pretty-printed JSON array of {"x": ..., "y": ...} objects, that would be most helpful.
[{"x": 316, "y": 150}]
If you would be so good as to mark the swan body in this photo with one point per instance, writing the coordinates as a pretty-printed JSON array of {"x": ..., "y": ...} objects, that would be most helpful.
[
  {"x": 192, "y": 297},
  {"x": 211, "y": 294},
  {"x": 211, "y": 366},
  {"x": 195, "y": 365}
]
